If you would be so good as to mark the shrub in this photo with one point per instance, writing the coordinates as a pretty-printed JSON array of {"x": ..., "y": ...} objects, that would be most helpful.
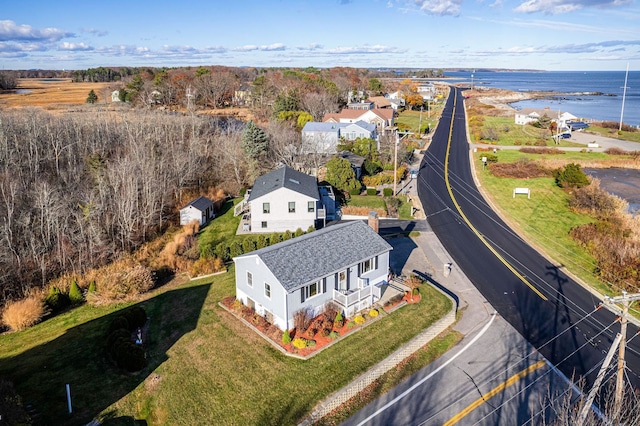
[
  {"x": 415, "y": 291},
  {"x": 312, "y": 331},
  {"x": 301, "y": 320},
  {"x": 299, "y": 232},
  {"x": 11, "y": 406},
  {"x": 119, "y": 323},
  {"x": 311, "y": 343},
  {"x": 387, "y": 192},
  {"x": 129, "y": 356},
  {"x": 56, "y": 301},
  {"x": 571, "y": 176},
  {"x": 75, "y": 294},
  {"x": 334, "y": 335},
  {"x": 373, "y": 313},
  {"x": 324, "y": 332},
  {"x": 393, "y": 202},
  {"x": 359, "y": 320},
  {"x": 339, "y": 317},
  {"x": 286, "y": 337},
  {"x": 299, "y": 343},
  {"x": 237, "y": 305},
  {"x": 92, "y": 286},
  {"x": 116, "y": 335},
  {"x": 136, "y": 317},
  {"x": 371, "y": 191},
  {"x": 354, "y": 191},
  {"x": 351, "y": 324},
  {"x": 24, "y": 313}
]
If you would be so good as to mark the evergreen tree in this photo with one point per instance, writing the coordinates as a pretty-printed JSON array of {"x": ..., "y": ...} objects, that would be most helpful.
[
  {"x": 92, "y": 98},
  {"x": 75, "y": 294},
  {"x": 341, "y": 175},
  {"x": 254, "y": 141}
]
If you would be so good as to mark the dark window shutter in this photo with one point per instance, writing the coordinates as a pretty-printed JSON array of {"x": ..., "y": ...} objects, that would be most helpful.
[
  {"x": 302, "y": 291},
  {"x": 324, "y": 285},
  {"x": 335, "y": 282}
]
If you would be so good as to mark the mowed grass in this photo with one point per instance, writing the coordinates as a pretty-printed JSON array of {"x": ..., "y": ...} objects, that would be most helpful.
[
  {"x": 205, "y": 366},
  {"x": 613, "y": 133},
  {"x": 545, "y": 218},
  {"x": 369, "y": 201},
  {"x": 511, "y": 134}
]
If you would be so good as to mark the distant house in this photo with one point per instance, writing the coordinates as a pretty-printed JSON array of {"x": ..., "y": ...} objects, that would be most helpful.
[
  {"x": 323, "y": 138},
  {"x": 380, "y": 102},
  {"x": 356, "y": 161},
  {"x": 362, "y": 105},
  {"x": 285, "y": 200},
  {"x": 383, "y": 118},
  {"x": 200, "y": 209},
  {"x": 345, "y": 264},
  {"x": 530, "y": 115},
  {"x": 427, "y": 91}
]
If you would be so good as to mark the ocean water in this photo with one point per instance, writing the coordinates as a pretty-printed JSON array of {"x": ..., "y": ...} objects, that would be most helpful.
[{"x": 592, "y": 95}]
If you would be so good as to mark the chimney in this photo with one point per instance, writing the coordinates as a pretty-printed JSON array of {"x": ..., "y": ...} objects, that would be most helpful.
[{"x": 373, "y": 221}]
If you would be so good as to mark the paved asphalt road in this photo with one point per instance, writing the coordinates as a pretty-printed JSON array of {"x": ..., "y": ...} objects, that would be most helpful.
[{"x": 548, "y": 308}]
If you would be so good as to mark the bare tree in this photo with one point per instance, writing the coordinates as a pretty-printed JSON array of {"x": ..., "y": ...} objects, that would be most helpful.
[{"x": 318, "y": 104}]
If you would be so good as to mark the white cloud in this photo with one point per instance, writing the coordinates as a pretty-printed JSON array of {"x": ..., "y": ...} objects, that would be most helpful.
[
  {"x": 439, "y": 7},
  {"x": 264, "y": 48},
  {"x": 364, "y": 49},
  {"x": 95, "y": 32},
  {"x": 10, "y": 31},
  {"x": 74, "y": 46},
  {"x": 555, "y": 7}
]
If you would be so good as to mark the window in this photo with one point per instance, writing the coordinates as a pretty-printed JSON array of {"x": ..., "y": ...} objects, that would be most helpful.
[
  {"x": 313, "y": 289},
  {"x": 267, "y": 290},
  {"x": 311, "y": 206},
  {"x": 266, "y": 208},
  {"x": 249, "y": 279},
  {"x": 263, "y": 224},
  {"x": 368, "y": 265},
  {"x": 292, "y": 206}
]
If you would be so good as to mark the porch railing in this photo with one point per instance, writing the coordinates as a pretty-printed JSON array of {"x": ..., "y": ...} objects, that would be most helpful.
[{"x": 351, "y": 297}]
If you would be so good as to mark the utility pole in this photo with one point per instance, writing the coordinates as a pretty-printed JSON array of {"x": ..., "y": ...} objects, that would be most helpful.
[
  {"x": 624, "y": 94},
  {"x": 395, "y": 161},
  {"x": 625, "y": 299},
  {"x": 596, "y": 385}
]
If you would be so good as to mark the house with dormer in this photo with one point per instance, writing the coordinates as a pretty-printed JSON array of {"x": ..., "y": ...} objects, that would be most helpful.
[
  {"x": 531, "y": 115},
  {"x": 345, "y": 264},
  {"x": 323, "y": 138},
  {"x": 382, "y": 118},
  {"x": 286, "y": 200}
]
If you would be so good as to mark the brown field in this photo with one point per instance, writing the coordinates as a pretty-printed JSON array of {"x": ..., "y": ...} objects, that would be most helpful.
[{"x": 45, "y": 94}]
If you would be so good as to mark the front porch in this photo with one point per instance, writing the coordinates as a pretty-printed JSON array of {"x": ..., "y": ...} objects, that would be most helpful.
[{"x": 356, "y": 300}]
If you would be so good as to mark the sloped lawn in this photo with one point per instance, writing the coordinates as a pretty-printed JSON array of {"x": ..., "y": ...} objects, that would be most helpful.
[{"x": 205, "y": 366}]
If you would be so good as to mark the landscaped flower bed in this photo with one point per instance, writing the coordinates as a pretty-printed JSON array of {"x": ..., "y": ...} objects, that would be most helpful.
[{"x": 310, "y": 335}]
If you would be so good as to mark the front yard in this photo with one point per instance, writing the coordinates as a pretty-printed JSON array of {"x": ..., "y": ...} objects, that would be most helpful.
[{"x": 205, "y": 366}]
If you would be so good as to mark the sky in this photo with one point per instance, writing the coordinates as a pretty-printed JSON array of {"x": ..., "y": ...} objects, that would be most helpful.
[{"x": 432, "y": 34}]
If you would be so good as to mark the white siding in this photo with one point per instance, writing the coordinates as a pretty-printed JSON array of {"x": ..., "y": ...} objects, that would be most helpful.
[
  {"x": 189, "y": 214},
  {"x": 279, "y": 219}
]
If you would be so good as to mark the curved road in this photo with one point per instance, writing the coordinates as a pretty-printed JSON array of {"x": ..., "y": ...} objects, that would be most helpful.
[{"x": 554, "y": 313}]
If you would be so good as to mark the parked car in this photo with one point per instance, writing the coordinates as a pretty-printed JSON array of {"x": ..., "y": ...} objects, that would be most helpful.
[{"x": 413, "y": 174}]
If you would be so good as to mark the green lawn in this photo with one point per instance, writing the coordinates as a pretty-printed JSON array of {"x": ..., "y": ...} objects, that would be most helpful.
[
  {"x": 544, "y": 219},
  {"x": 511, "y": 134},
  {"x": 410, "y": 120},
  {"x": 368, "y": 201},
  {"x": 222, "y": 229},
  {"x": 205, "y": 366}
]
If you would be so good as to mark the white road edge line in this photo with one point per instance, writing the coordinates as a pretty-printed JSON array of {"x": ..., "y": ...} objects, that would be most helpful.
[{"x": 433, "y": 373}]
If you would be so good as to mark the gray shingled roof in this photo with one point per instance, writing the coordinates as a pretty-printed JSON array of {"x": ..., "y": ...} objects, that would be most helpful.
[
  {"x": 285, "y": 177},
  {"x": 200, "y": 203},
  {"x": 302, "y": 260}
]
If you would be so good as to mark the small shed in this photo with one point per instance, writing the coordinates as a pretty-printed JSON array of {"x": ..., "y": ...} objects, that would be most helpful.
[{"x": 200, "y": 209}]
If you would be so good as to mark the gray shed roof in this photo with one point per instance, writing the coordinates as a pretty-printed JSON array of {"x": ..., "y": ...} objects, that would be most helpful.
[
  {"x": 200, "y": 203},
  {"x": 285, "y": 177},
  {"x": 321, "y": 126},
  {"x": 305, "y": 259}
]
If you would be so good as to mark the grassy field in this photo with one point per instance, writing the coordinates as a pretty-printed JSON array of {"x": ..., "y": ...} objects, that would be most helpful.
[
  {"x": 37, "y": 92},
  {"x": 410, "y": 120},
  {"x": 544, "y": 219},
  {"x": 378, "y": 202},
  {"x": 511, "y": 134},
  {"x": 205, "y": 367}
]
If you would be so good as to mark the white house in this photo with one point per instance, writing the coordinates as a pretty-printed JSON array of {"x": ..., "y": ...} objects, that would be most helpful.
[
  {"x": 284, "y": 200},
  {"x": 383, "y": 118},
  {"x": 427, "y": 91},
  {"x": 345, "y": 264},
  {"x": 530, "y": 115},
  {"x": 200, "y": 209},
  {"x": 115, "y": 96},
  {"x": 323, "y": 138}
]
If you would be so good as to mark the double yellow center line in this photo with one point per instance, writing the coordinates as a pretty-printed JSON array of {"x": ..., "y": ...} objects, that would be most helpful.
[{"x": 464, "y": 217}]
